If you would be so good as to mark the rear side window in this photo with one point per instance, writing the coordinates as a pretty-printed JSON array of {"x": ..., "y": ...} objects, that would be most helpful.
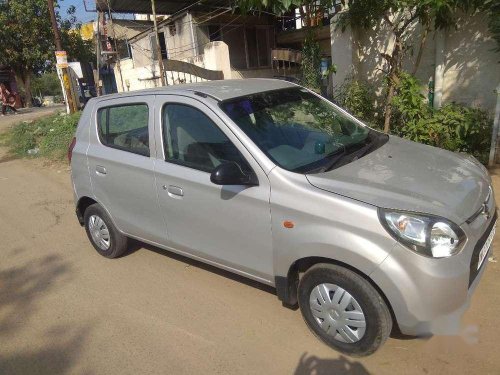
[{"x": 125, "y": 127}]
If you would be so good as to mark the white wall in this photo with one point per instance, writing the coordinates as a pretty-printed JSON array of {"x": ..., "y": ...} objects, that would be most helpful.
[
  {"x": 181, "y": 45},
  {"x": 142, "y": 53},
  {"x": 216, "y": 57},
  {"x": 253, "y": 73},
  {"x": 471, "y": 70},
  {"x": 137, "y": 77},
  {"x": 341, "y": 49}
]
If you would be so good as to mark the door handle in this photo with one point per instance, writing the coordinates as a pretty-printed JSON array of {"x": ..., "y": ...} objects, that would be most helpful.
[
  {"x": 173, "y": 190},
  {"x": 100, "y": 169}
]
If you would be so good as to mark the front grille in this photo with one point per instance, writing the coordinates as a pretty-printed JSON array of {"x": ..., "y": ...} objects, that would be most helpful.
[
  {"x": 486, "y": 203},
  {"x": 477, "y": 249}
]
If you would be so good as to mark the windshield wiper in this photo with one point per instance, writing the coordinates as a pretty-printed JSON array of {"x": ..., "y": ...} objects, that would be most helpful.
[
  {"x": 334, "y": 157},
  {"x": 363, "y": 150},
  {"x": 355, "y": 155}
]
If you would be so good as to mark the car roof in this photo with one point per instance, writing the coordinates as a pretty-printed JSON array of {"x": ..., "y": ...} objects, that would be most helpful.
[{"x": 219, "y": 90}]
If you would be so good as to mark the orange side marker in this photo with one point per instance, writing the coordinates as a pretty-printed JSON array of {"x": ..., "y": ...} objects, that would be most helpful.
[{"x": 288, "y": 224}]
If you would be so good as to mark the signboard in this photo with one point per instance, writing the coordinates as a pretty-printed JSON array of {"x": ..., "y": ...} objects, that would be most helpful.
[{"x": 61, "y": 59}]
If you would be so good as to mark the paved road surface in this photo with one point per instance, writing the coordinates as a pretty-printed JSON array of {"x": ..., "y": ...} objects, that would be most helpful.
[{"x": 66, "y": 310}]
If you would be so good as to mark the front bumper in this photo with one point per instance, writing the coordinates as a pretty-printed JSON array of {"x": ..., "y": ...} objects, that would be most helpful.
[{"x": 429, "y": 296}]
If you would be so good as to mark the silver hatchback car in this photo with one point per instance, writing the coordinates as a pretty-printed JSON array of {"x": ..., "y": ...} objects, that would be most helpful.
[{"x": 365, "y": 232}]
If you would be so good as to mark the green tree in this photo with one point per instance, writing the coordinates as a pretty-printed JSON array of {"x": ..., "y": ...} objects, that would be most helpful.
[
  {"x": 311, "y": 11},
  {"x": 311, "y": 60},
  {"x": 77, "y": 48},
  {"x": 398, "y": 16},
  {"x": 493, "y": 8},
  {"x": 46, "y": 83},
  {"x": 26, "y": 39}
]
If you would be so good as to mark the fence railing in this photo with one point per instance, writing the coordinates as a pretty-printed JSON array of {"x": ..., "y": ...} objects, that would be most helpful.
[{"x": 286, "y": 55}]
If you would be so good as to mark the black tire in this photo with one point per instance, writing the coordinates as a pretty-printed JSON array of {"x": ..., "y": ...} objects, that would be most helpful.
[
  {"x": 118, "y": 243},
  {"x": 376, "y": 313}
]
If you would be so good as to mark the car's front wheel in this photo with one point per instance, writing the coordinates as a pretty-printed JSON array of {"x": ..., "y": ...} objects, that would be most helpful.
[
  {"x": 102, "y": 233},
  {"x": 343, "y": 309}
]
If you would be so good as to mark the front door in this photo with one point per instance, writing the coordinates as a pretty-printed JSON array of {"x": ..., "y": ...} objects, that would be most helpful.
[{"x": 226, "y": 225}]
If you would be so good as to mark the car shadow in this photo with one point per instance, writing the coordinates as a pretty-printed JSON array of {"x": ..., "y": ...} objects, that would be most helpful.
[
  {"x": 137, "y": 245},
  {"x": 312, "y": 365}
]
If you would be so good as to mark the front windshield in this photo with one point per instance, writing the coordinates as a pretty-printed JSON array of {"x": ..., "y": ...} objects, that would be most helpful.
[{"x": 301, "y": 132}]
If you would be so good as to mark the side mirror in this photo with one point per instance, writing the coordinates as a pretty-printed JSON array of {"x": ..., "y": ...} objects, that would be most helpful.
[{"x": 230, "y": 173}]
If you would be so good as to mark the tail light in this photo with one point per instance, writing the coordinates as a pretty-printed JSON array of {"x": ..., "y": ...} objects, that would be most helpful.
[{"x": 70, "y": 149}]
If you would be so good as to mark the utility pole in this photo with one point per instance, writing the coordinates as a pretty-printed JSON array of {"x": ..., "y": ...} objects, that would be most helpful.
[
  {"x": 98, "y": 54},
  {"x": 158, "y": 49},
  {"x": 116, "y": 48},
  {"x": 494, "y": 135},
  {"x": 64, "y": 74}
]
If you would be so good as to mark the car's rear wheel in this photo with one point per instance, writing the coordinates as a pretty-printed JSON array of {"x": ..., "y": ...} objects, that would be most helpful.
[
  {"x": 344, "y": 310},
  {"x": 102, "y": 233}
]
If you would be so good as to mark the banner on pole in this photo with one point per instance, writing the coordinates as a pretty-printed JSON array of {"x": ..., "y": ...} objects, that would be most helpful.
[{"x": 61, "y": 59}]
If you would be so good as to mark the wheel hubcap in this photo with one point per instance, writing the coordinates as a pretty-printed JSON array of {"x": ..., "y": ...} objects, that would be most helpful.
[
  {"x": 99, "y": 232},
  {"x": 337, "y": 313}
]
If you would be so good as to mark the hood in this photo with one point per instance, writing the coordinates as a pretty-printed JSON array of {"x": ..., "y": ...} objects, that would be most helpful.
[{"x": 410, "y": 176}]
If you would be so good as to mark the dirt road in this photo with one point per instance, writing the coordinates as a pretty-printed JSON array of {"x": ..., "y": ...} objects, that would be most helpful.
[
  {"x": 28, "y": 114},
  {"x": 64, "y": 309}
]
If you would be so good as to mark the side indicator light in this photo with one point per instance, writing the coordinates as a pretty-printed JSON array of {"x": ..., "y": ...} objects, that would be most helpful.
[{"x": 288, "y": 224}]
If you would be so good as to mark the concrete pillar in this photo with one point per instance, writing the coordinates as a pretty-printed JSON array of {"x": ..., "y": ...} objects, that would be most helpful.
[
  {"x": 440, "y": 63},
  {"x": 342, "y": 52},
  {"x": 494, "y": 135},
  {"x": 216, "y": 57}
]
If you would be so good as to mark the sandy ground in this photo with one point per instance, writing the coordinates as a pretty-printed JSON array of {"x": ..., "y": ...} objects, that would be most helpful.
[{"x": 66, "y": 310}]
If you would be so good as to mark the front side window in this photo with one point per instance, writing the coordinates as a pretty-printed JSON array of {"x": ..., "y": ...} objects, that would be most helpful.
[
  {"x": 125, "y": 127},
  {"x": 192, "y": 139},
  {"x": 301, "y": 132}
]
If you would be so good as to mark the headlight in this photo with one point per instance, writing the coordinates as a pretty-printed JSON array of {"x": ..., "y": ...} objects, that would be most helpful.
[{"x": 428, "y": 235}]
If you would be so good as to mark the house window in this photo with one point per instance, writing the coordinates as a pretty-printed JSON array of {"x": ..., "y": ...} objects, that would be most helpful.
[
  {"x": 163, "y": 46},
  {"x": 214, "y": 33},
  {"x": 234, "y": 40},
  {"x": 263, "y": 46},
  {"x": 253, "y": 50},
  {"x": 258, "y": 46},
  {"x": 124, "y": 49},
  {"x": 251, "y": 37},
  {"x": 154, "y": 51}
]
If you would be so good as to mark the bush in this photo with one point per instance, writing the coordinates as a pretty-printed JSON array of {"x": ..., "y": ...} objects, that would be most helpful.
[
  {"x": 50, "y": 135},
  {"x": 409, "y": 102},
  {"x": 358, "y": 98},
  {"x": 453, "y": 127}
]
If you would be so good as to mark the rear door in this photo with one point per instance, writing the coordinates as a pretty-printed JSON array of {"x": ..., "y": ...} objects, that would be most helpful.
[
  {"x": 121, "y": 166},
  {"x": 227, "y": 225}
]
